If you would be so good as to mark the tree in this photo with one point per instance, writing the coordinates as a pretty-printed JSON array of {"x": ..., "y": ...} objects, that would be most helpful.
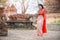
[
  {"x": 3, "y": 2},
  {"x": 24, "y": 9}
]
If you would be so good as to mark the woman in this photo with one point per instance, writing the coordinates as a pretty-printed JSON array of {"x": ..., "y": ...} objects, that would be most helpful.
[{"x": 41, "y": 21}]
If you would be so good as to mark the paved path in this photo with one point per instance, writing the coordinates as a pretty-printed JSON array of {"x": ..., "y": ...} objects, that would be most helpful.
[{"x": 30, "y": 35}]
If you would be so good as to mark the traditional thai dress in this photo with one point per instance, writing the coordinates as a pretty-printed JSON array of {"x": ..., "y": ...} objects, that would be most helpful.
[{"x": 41, "y": 22}]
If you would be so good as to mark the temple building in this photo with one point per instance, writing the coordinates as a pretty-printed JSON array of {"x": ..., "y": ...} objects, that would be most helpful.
[{"x": 10, "y": 10}]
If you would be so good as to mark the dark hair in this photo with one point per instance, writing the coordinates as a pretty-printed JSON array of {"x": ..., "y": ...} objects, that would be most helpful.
[{"x": 40, "y": 5}]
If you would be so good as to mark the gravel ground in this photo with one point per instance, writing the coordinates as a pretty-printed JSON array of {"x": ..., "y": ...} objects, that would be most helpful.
[{"x": 14, "y": 34}]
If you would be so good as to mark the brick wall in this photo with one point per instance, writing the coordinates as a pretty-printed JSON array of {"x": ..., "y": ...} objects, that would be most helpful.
[{"x": 52, "y": 5}]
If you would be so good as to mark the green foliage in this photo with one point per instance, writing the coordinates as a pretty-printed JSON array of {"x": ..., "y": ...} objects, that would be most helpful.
[
  {"x": 3, "y": 2},
  {"x": 55, "y": 22}
]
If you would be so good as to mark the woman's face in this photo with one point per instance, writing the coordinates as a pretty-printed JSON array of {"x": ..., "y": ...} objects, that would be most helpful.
[{"x": 40, "y": 7}]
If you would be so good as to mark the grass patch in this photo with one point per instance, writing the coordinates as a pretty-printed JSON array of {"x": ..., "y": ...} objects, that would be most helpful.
[{"x": 55, "y": 22}]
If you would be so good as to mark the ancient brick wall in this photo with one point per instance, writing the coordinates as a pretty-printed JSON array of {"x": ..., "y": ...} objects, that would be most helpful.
[{"x": 52, "y": 5}]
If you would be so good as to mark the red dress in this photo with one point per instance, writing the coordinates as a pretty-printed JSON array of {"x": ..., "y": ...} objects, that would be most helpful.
[{"x": 41, "y": 27}]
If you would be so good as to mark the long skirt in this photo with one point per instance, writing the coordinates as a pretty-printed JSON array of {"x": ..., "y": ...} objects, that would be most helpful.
[{"x": 40, "y": 21}]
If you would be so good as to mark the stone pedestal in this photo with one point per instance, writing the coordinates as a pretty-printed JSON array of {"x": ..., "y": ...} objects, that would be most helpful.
[{"x": 3, "y": 27}]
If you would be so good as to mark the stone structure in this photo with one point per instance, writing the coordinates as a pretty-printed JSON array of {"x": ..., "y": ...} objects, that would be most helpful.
[
  {"x": 10, "y": 10},
  {"x": 52, "y": 6},
  {"x": 3, "y": 27}
]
